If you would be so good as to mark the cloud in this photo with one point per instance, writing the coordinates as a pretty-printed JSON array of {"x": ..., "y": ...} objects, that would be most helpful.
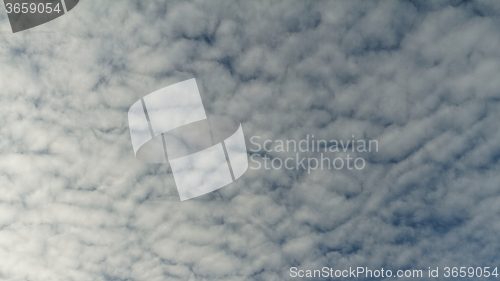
[{"x": 419, "y": 77}]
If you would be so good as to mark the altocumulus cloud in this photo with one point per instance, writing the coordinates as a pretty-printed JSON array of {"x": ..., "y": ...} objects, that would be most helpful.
[{"x": 420, "y": 77}]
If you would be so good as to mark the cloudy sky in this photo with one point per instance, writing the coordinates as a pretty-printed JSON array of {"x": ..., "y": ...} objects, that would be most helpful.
[{"x": 421, "y": 77}]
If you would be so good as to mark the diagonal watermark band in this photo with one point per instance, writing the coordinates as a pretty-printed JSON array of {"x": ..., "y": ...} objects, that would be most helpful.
[{"x": 64, "y": 6}]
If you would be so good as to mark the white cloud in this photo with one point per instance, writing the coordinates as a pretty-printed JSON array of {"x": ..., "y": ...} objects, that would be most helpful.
[{"x": 76, "y": 205}]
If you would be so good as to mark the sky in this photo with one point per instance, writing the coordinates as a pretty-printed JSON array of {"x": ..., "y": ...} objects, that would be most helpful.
[{"x": 420, "y": 77}]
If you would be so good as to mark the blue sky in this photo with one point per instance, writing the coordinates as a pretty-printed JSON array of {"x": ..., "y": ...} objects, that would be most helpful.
[{"x": 419, "y": 77}]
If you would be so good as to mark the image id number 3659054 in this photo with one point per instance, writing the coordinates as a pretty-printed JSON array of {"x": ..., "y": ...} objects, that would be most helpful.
[
  {"x": 471, "y": 272},
  {"x": 32, "y": 8}
]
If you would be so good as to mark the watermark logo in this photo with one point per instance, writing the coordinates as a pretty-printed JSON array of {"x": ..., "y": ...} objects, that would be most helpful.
[
  {"x": 25, "y": 14},
  {"x": 205, "y": 152}
]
